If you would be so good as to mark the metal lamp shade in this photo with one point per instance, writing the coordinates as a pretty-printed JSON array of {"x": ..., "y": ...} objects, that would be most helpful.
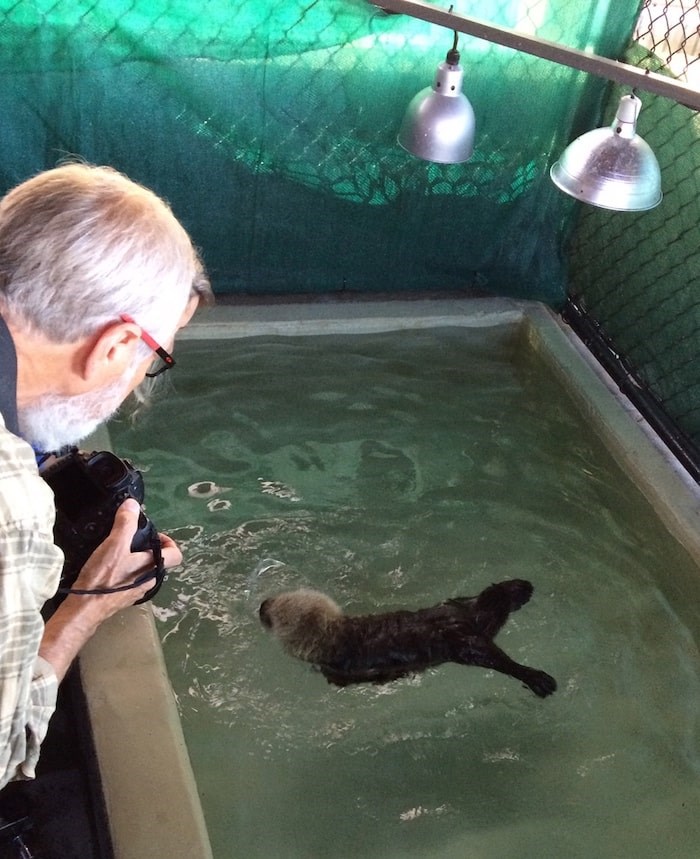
[
  {"x": 439, "y": 121},
  {"x": 612, "y": 168}
]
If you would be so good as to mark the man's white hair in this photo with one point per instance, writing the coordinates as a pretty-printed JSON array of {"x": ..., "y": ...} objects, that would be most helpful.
[{"x": 80, "y": 245}]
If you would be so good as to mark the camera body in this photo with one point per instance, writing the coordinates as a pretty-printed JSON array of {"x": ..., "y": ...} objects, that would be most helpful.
[{"x": 88, "y": 488}]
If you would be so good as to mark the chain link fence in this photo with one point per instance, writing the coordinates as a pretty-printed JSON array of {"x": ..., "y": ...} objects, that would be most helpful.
[{"x": 637, "y": 276}]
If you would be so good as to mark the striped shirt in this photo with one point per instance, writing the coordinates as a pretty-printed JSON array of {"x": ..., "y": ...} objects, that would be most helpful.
[{"x": 30, "y": 566}]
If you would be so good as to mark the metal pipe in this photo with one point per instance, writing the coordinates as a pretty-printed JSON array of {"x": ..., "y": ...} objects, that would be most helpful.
[{"x": 603, "y": 67}]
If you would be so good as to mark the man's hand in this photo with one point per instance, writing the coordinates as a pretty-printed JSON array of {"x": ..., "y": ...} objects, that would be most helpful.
[{"x": 111, "y": 565}]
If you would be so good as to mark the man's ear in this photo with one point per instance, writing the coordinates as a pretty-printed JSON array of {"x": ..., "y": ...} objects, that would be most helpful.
[{"x": 110, "y": 353}]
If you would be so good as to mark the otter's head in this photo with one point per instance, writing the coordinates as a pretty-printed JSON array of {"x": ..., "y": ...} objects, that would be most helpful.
[{"x": 303, "y": 621}]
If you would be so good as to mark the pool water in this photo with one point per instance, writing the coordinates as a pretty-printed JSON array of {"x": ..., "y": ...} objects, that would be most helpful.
[{"x": 396, "y": 470}]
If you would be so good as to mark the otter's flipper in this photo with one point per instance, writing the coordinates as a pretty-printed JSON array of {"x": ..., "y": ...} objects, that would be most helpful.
[{"x": 488, "y": 655}]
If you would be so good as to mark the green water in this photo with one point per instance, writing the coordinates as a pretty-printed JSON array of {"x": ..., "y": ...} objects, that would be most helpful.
[{"x": 396, "y": 470}]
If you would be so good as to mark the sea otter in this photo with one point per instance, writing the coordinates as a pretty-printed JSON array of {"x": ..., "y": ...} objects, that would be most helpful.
[{"x": 377, "y": 648}]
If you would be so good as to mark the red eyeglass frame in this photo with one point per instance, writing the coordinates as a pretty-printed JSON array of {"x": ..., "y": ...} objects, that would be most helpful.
[{"x": 163, "y": 354}]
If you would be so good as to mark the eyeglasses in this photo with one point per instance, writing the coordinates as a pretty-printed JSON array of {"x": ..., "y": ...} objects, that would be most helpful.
[{"x": 166, "y": 358}]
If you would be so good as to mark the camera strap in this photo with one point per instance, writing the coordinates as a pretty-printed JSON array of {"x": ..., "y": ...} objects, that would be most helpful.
[
  {"x": 157, "y": 572},
  {"x": 8, "y": 388}
]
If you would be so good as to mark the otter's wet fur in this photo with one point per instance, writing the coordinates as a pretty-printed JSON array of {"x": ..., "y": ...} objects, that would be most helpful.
[{"x": 378, "y": 648}]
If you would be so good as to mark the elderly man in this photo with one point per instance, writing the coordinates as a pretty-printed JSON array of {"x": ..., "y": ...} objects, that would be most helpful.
[{"x": 96, "y": 277}]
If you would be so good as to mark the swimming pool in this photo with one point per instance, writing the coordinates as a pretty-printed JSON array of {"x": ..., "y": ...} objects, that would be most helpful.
[{"x": 451, "y": 458}]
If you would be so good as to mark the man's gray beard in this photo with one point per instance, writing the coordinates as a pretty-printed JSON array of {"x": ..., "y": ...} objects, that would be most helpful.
[{"x": 56, "y": 420}]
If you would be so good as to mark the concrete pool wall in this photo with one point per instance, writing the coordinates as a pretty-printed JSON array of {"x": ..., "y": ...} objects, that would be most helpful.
[{"x": 149, "y": 789}]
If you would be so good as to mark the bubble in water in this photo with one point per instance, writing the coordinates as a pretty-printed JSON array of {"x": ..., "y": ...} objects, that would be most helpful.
[
  {"x": 205, "y": 489},
  {"x": 261, "y": 569},
  {"x": 265, "y": 565}
]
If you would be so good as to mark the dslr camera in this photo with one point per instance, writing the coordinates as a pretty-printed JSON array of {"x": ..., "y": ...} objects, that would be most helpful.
[{"x": 88, "y": 488}]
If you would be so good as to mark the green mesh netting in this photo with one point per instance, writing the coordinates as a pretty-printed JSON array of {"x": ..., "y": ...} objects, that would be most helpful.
[{"x": 271, "y": 129}]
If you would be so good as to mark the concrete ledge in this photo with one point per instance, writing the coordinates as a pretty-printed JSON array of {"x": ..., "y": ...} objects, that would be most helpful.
[
  {"x": 247, "y": 320},
  {"x": 147, "y": 782},
  {"x": 149, "y": 790},
  {"x": 643, "y": 455}
]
